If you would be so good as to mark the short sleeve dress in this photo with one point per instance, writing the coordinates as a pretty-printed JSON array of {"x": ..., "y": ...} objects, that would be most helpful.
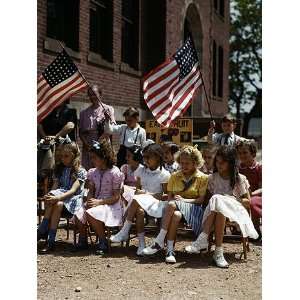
[
  {"x": 129, "y": 176},
  {"x": 191, "y": 189},
  {"x": 254, "y": 176},
  {"x": 105, "y": 183},
  {"x": 225, "y": 200},
  {"x": 74, "y": 203},
  {"x": 152, "y": 182}
]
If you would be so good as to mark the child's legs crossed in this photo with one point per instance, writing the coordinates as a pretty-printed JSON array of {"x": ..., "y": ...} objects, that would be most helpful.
[
  {"x": 140, "y": 220},
  {"x": 132, "y": 210},
  {"x": 80, "y": 226},
  {"x": 219, "y": 229},
  {"x": 97, "y": 225},
  {"x": 56, "y": 213},
  {"x": 168, "y": 215},
  {"x": 174, "y": 222}
]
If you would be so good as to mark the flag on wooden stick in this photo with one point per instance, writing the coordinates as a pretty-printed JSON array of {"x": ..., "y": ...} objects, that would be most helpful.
[
  {"x": 60, "y": 80},
  {"x": 170, "y": 87}
]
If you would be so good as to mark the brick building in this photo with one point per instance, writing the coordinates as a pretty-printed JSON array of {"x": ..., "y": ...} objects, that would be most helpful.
[{"x": 114, "y": 43}]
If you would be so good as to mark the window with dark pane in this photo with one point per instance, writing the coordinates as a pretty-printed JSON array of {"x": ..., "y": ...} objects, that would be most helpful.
[
  {"x": 216, "y": 4},
  {"x": 130, "y": 33},
  {"x": 214, "y": 79},
  {"x": 220, "y": 71},
  {"x": 63, "y": 22},
  {"x": 222, "y": 8},
  {"x": 101, "y": 28}
]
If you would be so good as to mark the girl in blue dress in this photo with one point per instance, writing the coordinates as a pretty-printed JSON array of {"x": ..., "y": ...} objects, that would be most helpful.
[{"x": 66, "y": 193}]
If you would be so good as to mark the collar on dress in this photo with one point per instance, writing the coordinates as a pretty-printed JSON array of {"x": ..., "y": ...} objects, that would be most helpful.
[
  {"x": 197, "y": 173},
  {"x": 253, "y": 166}
]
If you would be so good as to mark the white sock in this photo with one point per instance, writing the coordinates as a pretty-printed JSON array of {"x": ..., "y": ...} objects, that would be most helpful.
[
  {"x": 161, "y": 237},
  {"x": 126, "y": 227},
  {"x": 219, "y": 250},
  {"x": 202, "y": 236},
  {"x": 170, "y": 245},
  {"x": 141, "y": 237}
]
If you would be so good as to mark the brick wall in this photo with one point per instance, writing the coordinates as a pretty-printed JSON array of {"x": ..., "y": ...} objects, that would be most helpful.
[{"x": 121, "y": 87}]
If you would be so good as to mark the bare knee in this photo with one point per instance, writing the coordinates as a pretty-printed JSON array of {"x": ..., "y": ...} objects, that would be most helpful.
[
  {"x": 58, "y": 205},
  {"x": 171, "y": 205},
  {"x": 177, "y": 216},
  {"x": 140, "y": 212}
]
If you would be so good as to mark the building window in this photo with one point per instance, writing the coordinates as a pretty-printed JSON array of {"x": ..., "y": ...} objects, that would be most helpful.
[
  {"x": 218, "y": 66},
  {"x": 214, "y": 69},
  {"x": 63, "y": 22},
  {"x": 130, "y": 33},
  {"x": 101, "y": 28},
  {"x": 220, "y": 71},
  {"x": 219, "y": 6}
]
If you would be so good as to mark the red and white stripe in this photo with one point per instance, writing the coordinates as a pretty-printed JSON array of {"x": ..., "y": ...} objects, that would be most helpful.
[
  {"x": 165, "y": 95},
  {"x": 50, "y": 97}
]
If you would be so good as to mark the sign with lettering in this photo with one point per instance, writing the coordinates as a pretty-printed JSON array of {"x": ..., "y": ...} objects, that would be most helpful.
[{"x": 180, "y": 131}]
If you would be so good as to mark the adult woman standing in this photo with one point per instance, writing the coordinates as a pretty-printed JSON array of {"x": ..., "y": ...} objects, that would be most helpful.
[{"x": 91, "y": 122}]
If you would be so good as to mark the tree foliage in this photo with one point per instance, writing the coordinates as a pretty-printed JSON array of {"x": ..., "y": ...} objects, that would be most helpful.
[{"x": 245, "y": 53}]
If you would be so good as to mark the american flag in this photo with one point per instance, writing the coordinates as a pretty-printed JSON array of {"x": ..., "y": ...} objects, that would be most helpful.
[
  {"x": 60, "y": 80},
  {"x": 170, "y": 87}
]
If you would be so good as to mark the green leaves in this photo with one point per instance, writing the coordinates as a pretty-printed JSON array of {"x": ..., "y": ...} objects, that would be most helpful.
[{"x": 245, "y": 71}]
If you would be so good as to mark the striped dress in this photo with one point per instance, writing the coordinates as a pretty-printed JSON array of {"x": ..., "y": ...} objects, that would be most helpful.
[{"x": 192, "y": 188}]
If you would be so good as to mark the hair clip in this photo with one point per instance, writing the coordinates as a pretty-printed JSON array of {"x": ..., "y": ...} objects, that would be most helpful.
[
  {"x": 96, "y": 145},
  {"x": 64, "y": 141}
]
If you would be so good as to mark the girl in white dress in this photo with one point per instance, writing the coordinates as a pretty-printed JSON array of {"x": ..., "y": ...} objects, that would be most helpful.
[
  {"x": 152, "y": 182},
  {"x": 228, "y": 198}
]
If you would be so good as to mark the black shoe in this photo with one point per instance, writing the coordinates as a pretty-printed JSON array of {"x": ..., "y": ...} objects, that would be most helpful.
[
  {"x": 102, "y": 247},
  {"x": 42, "y": 236},
  {"x": 47, "y": 249},
  {"x": 81, "y": 246}
]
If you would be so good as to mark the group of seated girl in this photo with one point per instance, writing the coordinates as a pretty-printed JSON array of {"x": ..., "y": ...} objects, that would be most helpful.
[{"x": 162, "y": 181}]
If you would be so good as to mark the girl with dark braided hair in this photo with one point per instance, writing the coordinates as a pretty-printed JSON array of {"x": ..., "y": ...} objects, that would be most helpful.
[
  {"x": 228, "y": 198},
  {"x": 152, "y": 179}
]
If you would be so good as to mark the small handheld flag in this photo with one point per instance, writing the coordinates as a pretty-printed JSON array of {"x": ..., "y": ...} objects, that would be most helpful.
[{"x": 60, "y": 80}]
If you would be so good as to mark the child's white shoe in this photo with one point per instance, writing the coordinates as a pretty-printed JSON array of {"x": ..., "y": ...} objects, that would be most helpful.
[
  {"x": 170, "y": 257},
  {"x": 119, "y": 237},
  {"x": 219, "y": 259},
  {"x": 152, "y": 249},
  {"x": 197, "y": 246}
]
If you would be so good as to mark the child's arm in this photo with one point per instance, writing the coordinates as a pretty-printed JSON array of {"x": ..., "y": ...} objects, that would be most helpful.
[
  {"x": 245, "y": 200},
  {"x": 198, "y": 200},
  {"x": 110, "y": 128},
  {"x": 258, "y": 192},
  {"x": 109, "y": 201},
  {"x": 138, "y": 186},
  {"x": 68, "y": 194}
]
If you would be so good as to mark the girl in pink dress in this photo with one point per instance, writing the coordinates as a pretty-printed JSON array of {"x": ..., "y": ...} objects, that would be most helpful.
[
  {"x": 91, "y": 123},
  {"x": 103, "y": 206},
  {"x": 253, "y": 171},
  {"x": 134, "y": 158}
]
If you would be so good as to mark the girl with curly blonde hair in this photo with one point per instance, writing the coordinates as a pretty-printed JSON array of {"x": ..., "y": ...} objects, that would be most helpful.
[
  {"x": 66, "y": 195},
  {"x": 186, "y": 190}
]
